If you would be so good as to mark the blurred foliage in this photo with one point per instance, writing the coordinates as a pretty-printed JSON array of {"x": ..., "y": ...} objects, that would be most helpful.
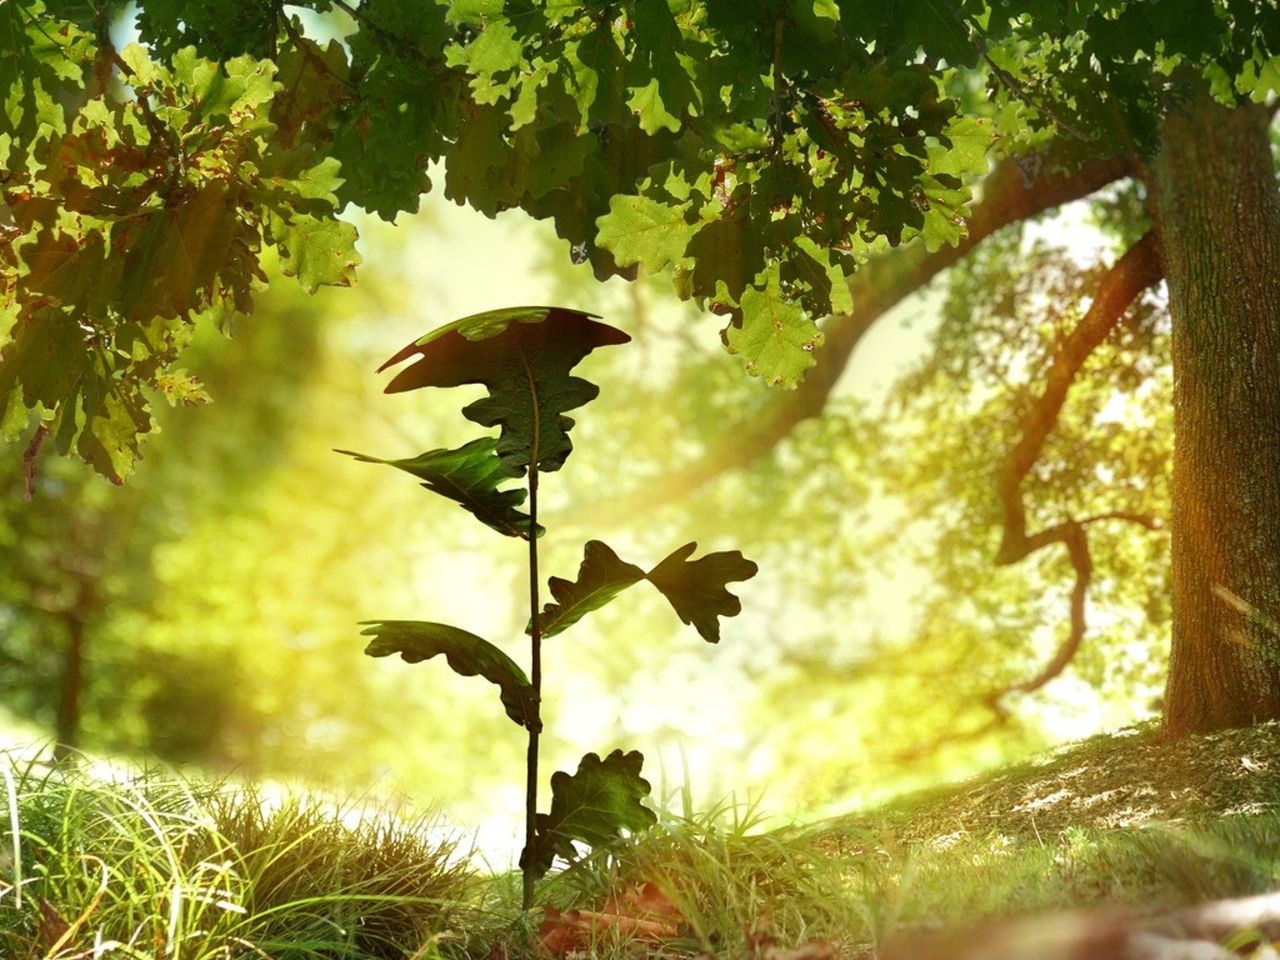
[
  {"x": 228, "y": 577},
  {"x": 884, "y": 624},
  {"x": 220, "y": 589}
]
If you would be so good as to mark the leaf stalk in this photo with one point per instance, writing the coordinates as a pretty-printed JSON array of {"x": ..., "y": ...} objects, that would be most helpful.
[{"x": 535, "y": 678}]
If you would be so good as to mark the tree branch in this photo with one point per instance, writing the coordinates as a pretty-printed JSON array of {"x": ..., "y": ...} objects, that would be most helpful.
[
  {"x": 307, "y": 49},
  {"x": 877, "y": 287},
  {"x": 388, "y": 40},
  {"x": 29, "y": 461},
  {"x": 1134, "y": 272},
  {"x": 1137, "y": 270},
  {"x": 978, "y": 40},
  {"x": 1141, "y": 519}
]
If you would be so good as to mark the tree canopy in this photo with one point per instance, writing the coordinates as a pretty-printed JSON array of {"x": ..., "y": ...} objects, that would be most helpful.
[{"x": 761, "y": 152}]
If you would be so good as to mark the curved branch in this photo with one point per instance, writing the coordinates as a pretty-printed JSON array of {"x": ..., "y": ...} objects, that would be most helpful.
[
  {"x": 1008, "y": 197},
  {"x": 1134, "y": 272},
  {"x": 1072, "y": 536},
  {"x": 1137, "y": 270}
]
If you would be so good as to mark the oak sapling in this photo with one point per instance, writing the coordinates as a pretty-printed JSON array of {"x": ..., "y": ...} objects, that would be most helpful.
[{"x": 524, "y": 356}]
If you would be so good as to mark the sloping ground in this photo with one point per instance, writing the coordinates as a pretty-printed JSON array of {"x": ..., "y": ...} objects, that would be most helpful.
[{"x": 1129, "y": 778}]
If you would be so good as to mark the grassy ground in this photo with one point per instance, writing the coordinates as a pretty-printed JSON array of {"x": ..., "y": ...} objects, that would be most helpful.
[
  {"x": 1124, "y": 779},
  {"x": 162, "y": 870}
]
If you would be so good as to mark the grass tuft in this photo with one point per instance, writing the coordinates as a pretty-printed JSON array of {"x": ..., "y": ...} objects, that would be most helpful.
[
  {"x": 157, "y": 868},
  {"x": 733, "y": 884}
]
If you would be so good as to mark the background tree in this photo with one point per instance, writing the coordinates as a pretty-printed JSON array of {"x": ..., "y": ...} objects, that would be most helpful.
[
  {"x": 222, "y": 581},
  {"x": 81, "y": 573},
  {"x": 760, "y": 154}
]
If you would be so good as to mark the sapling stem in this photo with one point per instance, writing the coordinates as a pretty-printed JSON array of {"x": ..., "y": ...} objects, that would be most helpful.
[
  {"x": 535, "y": 678},
  {"x": 602, "y": 801}
]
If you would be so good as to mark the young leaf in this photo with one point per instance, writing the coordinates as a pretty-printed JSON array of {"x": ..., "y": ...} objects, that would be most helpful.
[
  {"x": 524, "y": 355},
  {"x": 643, "y": 231},
  {"x": 467, "y": 655},
  {"x": 776, "y": 338},
  {"x": 593, "y": 806},
  {"x": 317, "y": 251},
  {"x": 470, "y": 476},
  {"x": 601, "y": 577},
  {"x": 697, "y": 589}
]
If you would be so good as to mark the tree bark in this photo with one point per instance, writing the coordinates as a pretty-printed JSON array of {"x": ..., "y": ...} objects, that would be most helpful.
[{"x": 1218, "y": 216}]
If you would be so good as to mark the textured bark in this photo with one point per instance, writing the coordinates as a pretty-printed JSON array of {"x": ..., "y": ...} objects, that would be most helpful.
[{"x": 1218, "y": 216}]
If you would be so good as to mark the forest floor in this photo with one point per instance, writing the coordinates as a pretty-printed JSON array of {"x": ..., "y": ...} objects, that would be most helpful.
[
  {"x": 1126, "y": 779},
  {"x": 1119, "y": 823},
  {"x": 1103, "y": 833},
  {"x": 1087, "y": 841}
]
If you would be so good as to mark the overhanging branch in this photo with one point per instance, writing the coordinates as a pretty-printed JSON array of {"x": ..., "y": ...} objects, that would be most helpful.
[
  {"x": 1007, "y": 198},
  {"x": 1137, "y": 270}
]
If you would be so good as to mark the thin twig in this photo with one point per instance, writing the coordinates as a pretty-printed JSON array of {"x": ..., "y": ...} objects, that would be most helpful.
[
  {"x": 380, "y": 32},
  {"x": 154, "y": 124},
  {"x": 1141, "y": 519},
  {"x": 29, "y": 460},
  {"x": 305, "y": 47},
  {"x": 978, "y": 40}
]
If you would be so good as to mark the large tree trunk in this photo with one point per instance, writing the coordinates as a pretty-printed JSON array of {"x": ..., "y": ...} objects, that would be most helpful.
[{"x": 1218, "y": 216}]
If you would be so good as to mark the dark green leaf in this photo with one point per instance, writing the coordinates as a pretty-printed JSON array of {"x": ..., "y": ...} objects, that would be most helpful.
[
  {"x": 524, "y": 355},
  {"x": 601, "y": 577},
  {"x": 219, "y": 28},
  {"x": 696, "y": 589},
  {"x": 470, "y": 476},
  {"x": 593, "y": 807},
  {"x": 467, "y": 654}
]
